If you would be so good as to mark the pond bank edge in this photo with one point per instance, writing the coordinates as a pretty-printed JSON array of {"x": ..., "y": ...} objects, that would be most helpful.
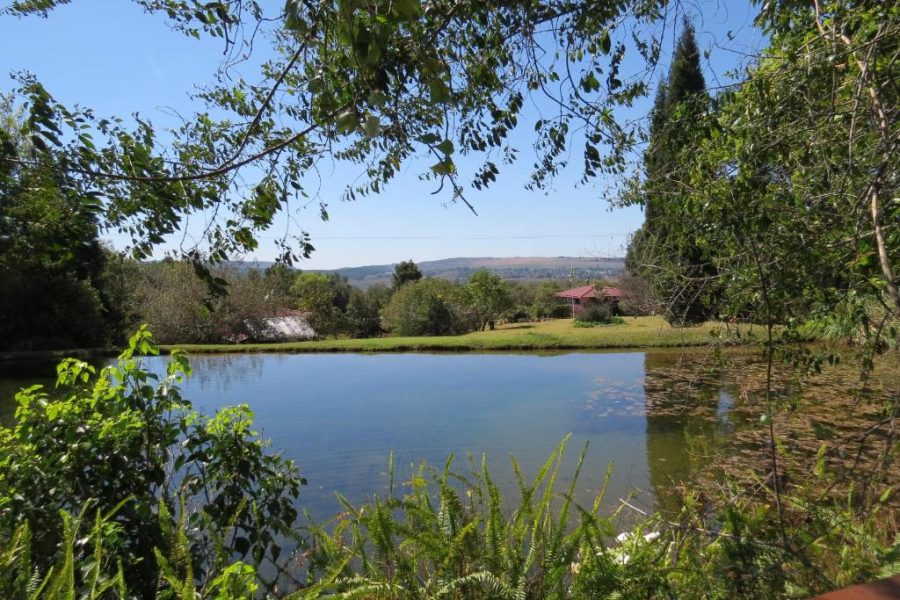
[{"x": 325, "y": 347}]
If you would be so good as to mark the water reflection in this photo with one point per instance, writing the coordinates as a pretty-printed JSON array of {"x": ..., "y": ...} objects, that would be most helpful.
[
  {"x": 340, "y": 416},
  {"x": 687, "y": 417},
  {"x": 685, "y": 407},
  {"x": 659, "y": 416},
  {"x": 16, "y": 374},
  {"x": 218, "y": 376}
]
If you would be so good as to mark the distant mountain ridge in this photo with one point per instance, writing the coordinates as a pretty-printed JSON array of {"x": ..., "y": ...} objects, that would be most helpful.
[
  {"x": 519, "y": 268},
  {"x": 513, "y": 269}
]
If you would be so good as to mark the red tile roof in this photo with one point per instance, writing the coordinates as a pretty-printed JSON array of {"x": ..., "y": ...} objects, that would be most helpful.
[
  {"x": 589, "y": 291},
  {"x": 585, "y": 291}
]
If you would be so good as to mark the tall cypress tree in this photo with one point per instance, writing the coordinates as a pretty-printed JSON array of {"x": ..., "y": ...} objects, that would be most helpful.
[
  {"x": 641, "y": 248},
  {"x": 686, "y": 82},
  {"x": 675, "y": 111},
  {"x": 655, "y": 156},
  {"x": 681, "y": 272}
]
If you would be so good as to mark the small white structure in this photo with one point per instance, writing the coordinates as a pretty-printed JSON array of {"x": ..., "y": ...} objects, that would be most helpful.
[{"x": 286, "y": 326}]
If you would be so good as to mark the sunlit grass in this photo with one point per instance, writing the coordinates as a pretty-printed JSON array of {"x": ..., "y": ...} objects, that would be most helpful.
[{"x": 559, "y": 334}]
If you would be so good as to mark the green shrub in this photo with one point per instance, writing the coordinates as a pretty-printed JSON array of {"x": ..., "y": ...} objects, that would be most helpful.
[
  {"x": 192, "y": 507},
  {"x": 86, "y": 565},
  {"x": 364, "y": 311},
  {"x": 427, "y": 307},
  {"x": 545, "y": 305},
  {"x": 125, "y": 441},
  {"x": 612, "y": 321},
  {"x": 486, "y": 296},
  {"x": 596, "y": 313},
  {"x": 324, "y": 299},
  {"x": 82, "y": 567},
  {"x": 454, "y": 535}
]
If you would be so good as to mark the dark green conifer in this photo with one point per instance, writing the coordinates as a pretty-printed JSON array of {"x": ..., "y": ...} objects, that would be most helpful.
[
  {"x": 686, "y": 82},
  {"x": 661, "y": 251}
]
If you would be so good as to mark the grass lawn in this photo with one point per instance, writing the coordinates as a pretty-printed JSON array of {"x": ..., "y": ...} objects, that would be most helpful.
[{"x": 560, "y": 334}]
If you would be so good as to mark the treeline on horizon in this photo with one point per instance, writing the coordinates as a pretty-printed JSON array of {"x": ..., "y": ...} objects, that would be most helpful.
[{"x": 94, "y": 297}]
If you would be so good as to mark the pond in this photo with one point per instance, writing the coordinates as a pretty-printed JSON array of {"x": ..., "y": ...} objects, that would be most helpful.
[{"x": 657, "y": 417}]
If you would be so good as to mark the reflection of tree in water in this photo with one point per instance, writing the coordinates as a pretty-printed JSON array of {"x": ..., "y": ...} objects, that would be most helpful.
[
  {"x": 688, "y": 415},
  {"x": 703, "y": 420},
  {"x": 219, "y": 374},
  {"x": 687, "y": 406},
  {"x": 21, "y": 373}
]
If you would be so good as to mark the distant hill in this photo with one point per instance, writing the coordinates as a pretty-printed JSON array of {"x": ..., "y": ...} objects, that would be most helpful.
[
  {"x": 523, "y": 269},
  {"x": 512, "y": 269}
]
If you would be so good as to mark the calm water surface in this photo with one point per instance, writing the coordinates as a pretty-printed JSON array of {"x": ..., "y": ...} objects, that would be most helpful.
[{"x": 339, "y": 416}]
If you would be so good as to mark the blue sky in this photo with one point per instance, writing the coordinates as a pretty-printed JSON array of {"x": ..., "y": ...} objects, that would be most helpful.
[{"x": 109, "y": 55}]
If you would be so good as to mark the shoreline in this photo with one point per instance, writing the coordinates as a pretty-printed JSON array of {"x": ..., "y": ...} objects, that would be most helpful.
[
  {"x": 328, "y": 347},
  {"x": 559, "y": 335},
  {"x": 555, "y": 335}
]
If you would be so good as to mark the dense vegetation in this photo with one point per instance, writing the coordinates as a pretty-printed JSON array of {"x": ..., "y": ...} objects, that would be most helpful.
[
  {"x": 680, "y": 271},
  {"x": 179, "y": 306},
  {"x": 121, "y": 448},
  {"x": 203, "y": 509},
  {"x": 775, "y": 201},
  {"x": 58, "y": 284}
]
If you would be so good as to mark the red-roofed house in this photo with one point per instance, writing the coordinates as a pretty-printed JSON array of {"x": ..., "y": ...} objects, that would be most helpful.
[{"x": 582, "y": 296}]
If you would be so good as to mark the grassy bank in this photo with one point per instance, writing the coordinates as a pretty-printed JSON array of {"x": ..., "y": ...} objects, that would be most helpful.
[{"x": 561, "y": 334}]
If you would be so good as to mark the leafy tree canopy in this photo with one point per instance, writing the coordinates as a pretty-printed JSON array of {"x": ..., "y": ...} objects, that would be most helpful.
[
  {"x": 364, "y": 311},
  {"x": 124, "y": 442},
  {"x": 365, "y": 82},
  {"x": 324, "y": 298},
  {"x": 488, "y": 295},
  {"x": 790, "y": 185},
  {"x": 426, "y": 307},
  {"x": 405, "y": 272},
  {"x": 680, "y": 270},
  {"x": 51, "y": 260}
]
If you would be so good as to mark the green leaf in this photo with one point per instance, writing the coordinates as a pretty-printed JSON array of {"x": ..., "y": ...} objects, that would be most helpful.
[
  {"x": 445, "y": 167},
  {"x": 590, "y": 83},
  {"x": 408, "y": 9},
  {"x": 372, "y": 126},
  {"x": 605, "y": 42},
  {"x": 446, "y": 147},
  {"x": 347, "y": 122},
  {"x": 291, "y": 22},
  {"x": 439, "y": 90}
]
